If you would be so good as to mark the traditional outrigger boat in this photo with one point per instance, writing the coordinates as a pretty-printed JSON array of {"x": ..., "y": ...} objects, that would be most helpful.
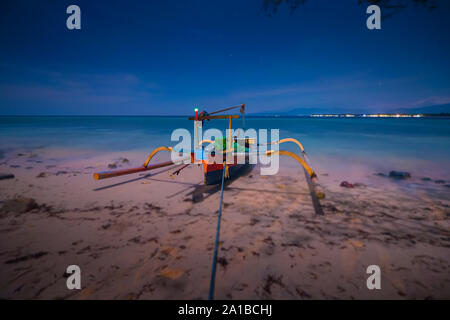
[
  {"x": 228, "y": 158},
  {"x": 233, "y": 147}
]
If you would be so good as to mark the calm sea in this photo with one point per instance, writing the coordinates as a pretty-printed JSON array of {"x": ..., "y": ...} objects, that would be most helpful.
[{"x": 421, "y": 146}]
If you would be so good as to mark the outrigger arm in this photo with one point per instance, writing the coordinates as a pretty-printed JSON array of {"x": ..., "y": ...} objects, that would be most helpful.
[
  {"x": 152, "y": 154},
  {"x": 311, "y": 178}
]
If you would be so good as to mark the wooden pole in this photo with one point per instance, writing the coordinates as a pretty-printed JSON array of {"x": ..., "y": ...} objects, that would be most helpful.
[
  {"x": 229, "y": 133},
  {"x": 116, "y": 173}
]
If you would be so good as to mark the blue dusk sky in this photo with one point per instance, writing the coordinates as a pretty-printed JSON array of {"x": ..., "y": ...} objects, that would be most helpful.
[{"x": 165, "y": 57}]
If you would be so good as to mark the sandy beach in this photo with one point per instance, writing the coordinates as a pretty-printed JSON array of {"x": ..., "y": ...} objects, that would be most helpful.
[{"x": 148, "y": 236}]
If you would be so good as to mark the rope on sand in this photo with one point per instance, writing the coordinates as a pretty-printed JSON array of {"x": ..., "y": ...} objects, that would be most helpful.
[{"x": 216, "y": 244}]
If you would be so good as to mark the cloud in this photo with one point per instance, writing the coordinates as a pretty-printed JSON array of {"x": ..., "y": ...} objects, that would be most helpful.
[
  {"x": 431, "y": 101},
  {"x": 41, "y": 88},
  {"x": 321, "y": 85}
]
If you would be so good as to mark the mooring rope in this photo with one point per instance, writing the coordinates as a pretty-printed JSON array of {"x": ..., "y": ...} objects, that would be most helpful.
[{"x": 216, "y": 244}]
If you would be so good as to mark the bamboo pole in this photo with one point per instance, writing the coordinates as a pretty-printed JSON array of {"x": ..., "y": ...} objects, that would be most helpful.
[{"x": 116, "y": 173}]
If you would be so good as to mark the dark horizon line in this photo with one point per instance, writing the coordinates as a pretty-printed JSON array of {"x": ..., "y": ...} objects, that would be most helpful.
[{"x": 356, "y": 115}]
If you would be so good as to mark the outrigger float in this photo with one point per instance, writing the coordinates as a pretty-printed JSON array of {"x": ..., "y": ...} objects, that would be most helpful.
[{"x": 231, "y": 150}]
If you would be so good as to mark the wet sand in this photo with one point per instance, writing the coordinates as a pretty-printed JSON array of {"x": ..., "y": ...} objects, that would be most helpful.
[{"x": 148, "y": 236}]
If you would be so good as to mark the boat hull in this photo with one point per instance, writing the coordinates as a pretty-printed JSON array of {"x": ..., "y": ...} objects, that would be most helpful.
[{"x": 213, "y": 172}]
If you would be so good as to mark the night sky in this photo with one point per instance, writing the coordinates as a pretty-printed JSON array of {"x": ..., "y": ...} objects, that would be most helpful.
[{"x": 166, "y": 57}]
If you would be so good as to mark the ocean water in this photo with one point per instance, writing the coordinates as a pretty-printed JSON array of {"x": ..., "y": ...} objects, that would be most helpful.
[{"x": 421, "y": 146}]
